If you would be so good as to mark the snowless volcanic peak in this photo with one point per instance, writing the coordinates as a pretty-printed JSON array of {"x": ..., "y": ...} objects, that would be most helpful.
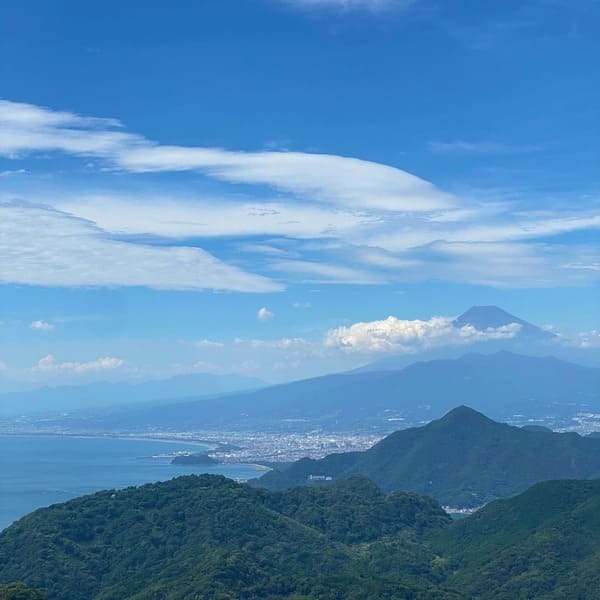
[{"x": 485, "y": 317}]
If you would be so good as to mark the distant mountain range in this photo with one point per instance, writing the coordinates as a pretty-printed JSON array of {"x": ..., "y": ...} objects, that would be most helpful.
[
  {"x": 499, "y": 384},
  {"x": 413, "y": 387},
  {"x": 103, "y": 394},
  {"x": 209, "y": 537},
  {"x": 461, "y": 460}
]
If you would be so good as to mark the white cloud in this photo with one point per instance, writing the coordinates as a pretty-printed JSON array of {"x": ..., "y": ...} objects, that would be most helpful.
[
  {"x": 508, "y": 265},
  {"x": 265, "y": 249},
  {"x": 302, "y": 305},
  {"x": 264, "y": 314},
  {"x": 397, "y": 335},
  {"x": 209, "y": 344},
  {"x": 213, "y": 217},
  {"x": 50, "y": 364},
  {"x": 507, "y": 227},
  {"x": 373, "y": 5},
  {"x": 13, "y": 172},
  {"x": 581, "y": 339},
  {"x": 204, "y": 366},
  {"x": 375, "y": 223},
  {"x": 277, "y": 344},
  {"x": 386, "y": 260},
  {"x": 337, "y": 180},
  {"x": 40, "y": 245},
  {"x": 319, "y": 272},
  {"x": 42, "y": 326},
  {"x": 29, "y": 128},
  {"x": 461, "y": 147}
]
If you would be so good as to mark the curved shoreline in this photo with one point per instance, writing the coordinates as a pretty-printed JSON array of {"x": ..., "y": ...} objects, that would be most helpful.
[
  {"x": 141, "y": 438},
  {"x": 116, "y": 436}
]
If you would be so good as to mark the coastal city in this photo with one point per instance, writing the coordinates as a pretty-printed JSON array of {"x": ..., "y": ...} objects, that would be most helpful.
[{"x": 280, "y": 446}]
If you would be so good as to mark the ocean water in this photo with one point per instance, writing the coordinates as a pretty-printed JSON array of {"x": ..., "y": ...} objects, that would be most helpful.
[{"x": 37, "y": 471}]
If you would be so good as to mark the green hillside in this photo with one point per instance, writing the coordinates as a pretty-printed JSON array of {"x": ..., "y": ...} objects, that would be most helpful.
[
  {"x": 463, "y": 459},
  {"x": 543, "y": 544},
  {"x": 208, "y": 537},
  {"x": 19, "y": 591}
]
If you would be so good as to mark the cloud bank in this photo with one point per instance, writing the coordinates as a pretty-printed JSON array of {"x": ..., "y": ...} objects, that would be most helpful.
[
  {"x": 331, "y": 219},
  {"x": 398, "y": 335},
  {"x": 40, "y": 245}
]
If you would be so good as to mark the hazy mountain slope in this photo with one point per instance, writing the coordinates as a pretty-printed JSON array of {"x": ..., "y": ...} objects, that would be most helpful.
[
  {"x": 498, "y": 384},
  {"x": 209, "y": 537},
  {"x": 544, "y": 543},
  {"x": 60, "y": 398},
  {"x": 463, "y": 459},
  {"x": 492, "y": 317}
]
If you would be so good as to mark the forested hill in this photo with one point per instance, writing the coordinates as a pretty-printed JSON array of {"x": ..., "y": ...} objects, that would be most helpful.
[
  {"x": 463, "y": 459},
  {"x": 208, "y": 537},
  {"x": 543, "y": 544}
]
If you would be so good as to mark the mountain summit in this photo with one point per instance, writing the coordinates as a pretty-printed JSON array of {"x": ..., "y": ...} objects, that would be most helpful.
[
  {"x": 492, "y": 317},
  {"x": 463, "y": 459},
  {"x": 529, "y": 339}
]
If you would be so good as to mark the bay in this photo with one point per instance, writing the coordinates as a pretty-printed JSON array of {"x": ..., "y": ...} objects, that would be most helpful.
[{"x": 37, "y": 471}]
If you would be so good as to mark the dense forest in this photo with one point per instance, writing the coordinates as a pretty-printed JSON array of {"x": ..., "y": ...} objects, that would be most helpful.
[
  {"x": 209, "y": 537},
  {"x": 19, "y": 591}
]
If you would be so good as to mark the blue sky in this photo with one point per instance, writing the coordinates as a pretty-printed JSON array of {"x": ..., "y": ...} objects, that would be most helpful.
[{"x": 168, "y": 172}]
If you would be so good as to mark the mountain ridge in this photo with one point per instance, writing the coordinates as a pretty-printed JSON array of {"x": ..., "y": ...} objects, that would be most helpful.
[
  {"x": 464, "y": 459},
  {"x": 498, "y": 384}
]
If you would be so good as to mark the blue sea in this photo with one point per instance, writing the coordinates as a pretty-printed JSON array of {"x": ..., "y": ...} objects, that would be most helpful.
[{"x": 37, "y": 471}]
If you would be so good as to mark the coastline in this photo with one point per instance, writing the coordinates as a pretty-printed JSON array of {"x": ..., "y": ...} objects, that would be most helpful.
[
  {"x": 140, "y": 438},
  {"x": 116, "y": 436}
]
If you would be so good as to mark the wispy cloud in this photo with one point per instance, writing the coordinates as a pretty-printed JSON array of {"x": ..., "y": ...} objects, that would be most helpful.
[
  {"x": 343, "y": 219},
  {"x": 10, "y": 173},
  {"x": 484, "y": 148},
  {"x": 371, "y": 5},
  {"x": 50, "y": 364},
  {"x": 42, "y": 326},
  {"x": 40, "y": 245},
  {"x": 302, "y": 305},
  {"x": 209, "y": 344},
  {"x": 212, "y": 217},
  {"x": 337, "y": 180},
  {"x": 319, "y": 272}
]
